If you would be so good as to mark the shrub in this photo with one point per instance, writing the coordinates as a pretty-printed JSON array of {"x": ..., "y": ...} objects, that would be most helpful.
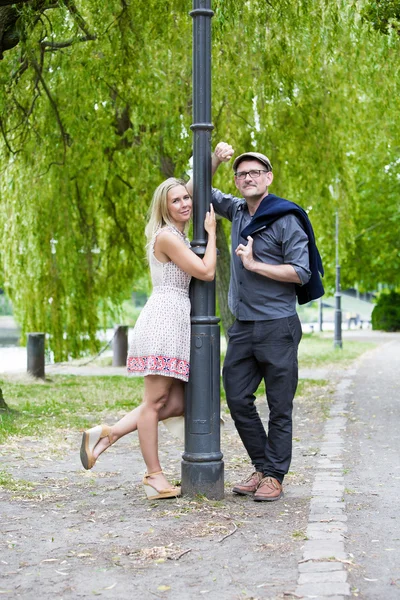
[{"x": 386, "y": 314}]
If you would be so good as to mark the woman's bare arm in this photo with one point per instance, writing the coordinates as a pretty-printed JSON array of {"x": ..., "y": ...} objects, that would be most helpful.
[{"x": 170, "y": 246}]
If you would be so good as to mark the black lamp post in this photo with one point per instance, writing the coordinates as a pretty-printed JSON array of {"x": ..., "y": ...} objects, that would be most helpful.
[
  {"x": 320, "y": 315},
  {"x": 202, "y": 465},
  {"x": 337, "y": 343}
]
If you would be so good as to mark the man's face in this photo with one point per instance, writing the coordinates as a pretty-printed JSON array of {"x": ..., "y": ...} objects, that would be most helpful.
[{"x": 253, "y": 187}]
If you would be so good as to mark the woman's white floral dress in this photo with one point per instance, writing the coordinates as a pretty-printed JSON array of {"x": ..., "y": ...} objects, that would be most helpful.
[{"x": 161, "y": 338}]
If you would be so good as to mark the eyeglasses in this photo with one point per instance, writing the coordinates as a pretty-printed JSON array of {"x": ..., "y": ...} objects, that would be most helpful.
[{"x": 254, "y": 174}]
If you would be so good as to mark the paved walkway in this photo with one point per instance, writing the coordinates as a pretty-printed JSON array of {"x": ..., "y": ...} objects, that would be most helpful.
[
  {"x": 353, "y": 544},
  {"x": 322, "y": 571}
]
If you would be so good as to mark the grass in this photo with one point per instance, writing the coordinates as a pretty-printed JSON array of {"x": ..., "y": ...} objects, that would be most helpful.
[
  {"x": 65, "y": 401},
  {"x": 299, "y": 535},
  {"x": 8, "y": 482},
  {"x": 76, "y": 402},
  {"x": 317, "y": 351}
]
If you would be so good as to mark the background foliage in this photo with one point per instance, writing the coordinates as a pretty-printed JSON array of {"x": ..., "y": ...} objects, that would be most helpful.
[
  {"x": 386, "y": 313},
  {"x": 95, "y": 110}
]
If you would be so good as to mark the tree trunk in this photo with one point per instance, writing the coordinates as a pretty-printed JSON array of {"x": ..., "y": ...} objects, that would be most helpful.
[
  {"x": 9, "y": 16},
  {"x": 9, "y": 36},
  {"x": 223, "y": 276},
  {"x": 3, "y": 405}
]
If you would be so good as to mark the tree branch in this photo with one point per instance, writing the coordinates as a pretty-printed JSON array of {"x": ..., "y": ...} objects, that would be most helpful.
[
  {"x": 10, "y": 2},
  {"x": 59, "y": 45},
  {"x": 64, "y": 134},
  {"x": 20, "y": 71},
  {"x": 3, "y": 405},
  {"x": 9, "y": 34},
  {"x": 120, "y": 226},
  {"x": 3, "y": 133},
  {"x": 66, "y": 140},
  {"x": 118, "y": 17},
  {"x": 128, "y": 185},
  {"x": 70, "y": 4},
  {"x": 360, "y": 235}
]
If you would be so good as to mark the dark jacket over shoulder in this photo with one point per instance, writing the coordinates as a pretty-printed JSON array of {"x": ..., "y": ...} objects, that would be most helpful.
[{"x": 272, "y": 208}]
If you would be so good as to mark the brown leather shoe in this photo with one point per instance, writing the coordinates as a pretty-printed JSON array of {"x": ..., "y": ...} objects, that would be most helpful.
[
  {"x": 249, "y": 485},
  {"x": 269, "y": 489}
]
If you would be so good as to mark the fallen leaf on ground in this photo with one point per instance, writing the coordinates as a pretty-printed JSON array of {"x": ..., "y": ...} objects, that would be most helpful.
[
  {"x": 110, "y": 587},
  {"x": 50, "y": 560}
]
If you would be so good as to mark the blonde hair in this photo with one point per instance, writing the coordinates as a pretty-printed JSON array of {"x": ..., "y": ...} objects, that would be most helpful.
[{"x": 158, "y": 211}]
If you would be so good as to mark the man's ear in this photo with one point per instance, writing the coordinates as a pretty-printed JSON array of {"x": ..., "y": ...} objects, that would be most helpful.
[{"x": 270, "y": 176}]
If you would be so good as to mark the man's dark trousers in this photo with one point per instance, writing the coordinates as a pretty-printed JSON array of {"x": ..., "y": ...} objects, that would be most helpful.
[{"x": 264, "y": 350}]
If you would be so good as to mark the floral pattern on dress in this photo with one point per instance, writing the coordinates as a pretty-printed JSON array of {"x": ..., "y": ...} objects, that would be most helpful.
[{"x": 159, "y": 365}]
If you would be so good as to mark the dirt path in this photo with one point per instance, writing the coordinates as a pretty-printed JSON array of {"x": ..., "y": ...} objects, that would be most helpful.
[{"x": 75, "y": 534}]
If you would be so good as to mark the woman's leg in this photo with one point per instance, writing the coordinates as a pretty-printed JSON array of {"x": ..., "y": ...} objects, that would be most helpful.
[
  {"x": 127, "y": 424},
  {"x": 174, "y": 407},
  {"x": 156, "y": 395}
]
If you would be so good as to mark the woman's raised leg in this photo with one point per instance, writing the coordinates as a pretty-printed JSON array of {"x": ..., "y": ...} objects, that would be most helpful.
[{"x": 174, "y": 407}]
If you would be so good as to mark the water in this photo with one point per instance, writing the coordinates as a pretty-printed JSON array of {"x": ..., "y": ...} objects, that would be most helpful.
[{"x": 12, "y": 359}]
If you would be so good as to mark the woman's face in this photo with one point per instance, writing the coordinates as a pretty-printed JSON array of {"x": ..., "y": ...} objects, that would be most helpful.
[{"x": 179, "y": 205}]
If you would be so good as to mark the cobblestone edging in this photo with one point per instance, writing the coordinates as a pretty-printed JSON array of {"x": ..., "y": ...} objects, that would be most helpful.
[{"x": 322, "y": 572}]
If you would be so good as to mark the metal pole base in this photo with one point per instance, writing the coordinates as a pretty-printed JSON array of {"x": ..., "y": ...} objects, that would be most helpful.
[
  {"x": 202, "y": 465},
  {"x": 35, "y": 354},
  {"x": 206, "y": 476},
  {"x": 120, "y": 346},
  {"x": 337, "y": 342}
]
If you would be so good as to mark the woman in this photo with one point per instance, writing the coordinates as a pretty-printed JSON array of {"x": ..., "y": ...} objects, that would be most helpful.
[{"x": 160, "y": 350}]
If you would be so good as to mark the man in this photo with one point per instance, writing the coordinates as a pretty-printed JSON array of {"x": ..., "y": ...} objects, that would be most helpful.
[{"x": 265, "y": 274}]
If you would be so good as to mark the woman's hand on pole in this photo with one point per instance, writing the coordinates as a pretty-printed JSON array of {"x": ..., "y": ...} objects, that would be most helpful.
[{"x": 210, "y": 222}]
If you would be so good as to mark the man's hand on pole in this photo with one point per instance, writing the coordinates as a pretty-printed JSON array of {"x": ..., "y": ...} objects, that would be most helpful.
[{"x": 223, "y": 153}]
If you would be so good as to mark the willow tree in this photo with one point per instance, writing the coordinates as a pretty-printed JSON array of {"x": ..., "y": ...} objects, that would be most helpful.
[
  {"x": 318, "y": 93},
  {"x": 384, "y": 15},
  {"x": 93, "y": 116},
  {"x": 95, "y": 109},
  {"x": 377, "y": 241}
]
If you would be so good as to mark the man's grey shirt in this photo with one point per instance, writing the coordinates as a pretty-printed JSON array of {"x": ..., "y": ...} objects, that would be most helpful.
[{"x": 254, "y": 297}]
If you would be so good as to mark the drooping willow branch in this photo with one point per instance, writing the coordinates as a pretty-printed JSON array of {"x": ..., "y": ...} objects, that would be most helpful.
[
  {"x": 119, "y": 224},
  {"x": 70, "y": 4},
  {"x": 66, "y": 140},
  {"x": 4, "y": 134}
]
